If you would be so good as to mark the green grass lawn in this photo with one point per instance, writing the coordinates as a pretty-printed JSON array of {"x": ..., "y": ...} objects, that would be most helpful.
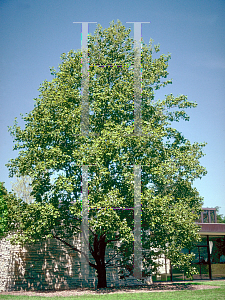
[{"x": 212, "y": 294}]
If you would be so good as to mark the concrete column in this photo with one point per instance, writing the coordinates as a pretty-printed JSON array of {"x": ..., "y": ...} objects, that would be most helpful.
[{"x": 137, "y": 223}]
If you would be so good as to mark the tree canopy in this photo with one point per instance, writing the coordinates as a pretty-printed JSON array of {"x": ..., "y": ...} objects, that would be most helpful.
[{"x": 52, "y": 151}]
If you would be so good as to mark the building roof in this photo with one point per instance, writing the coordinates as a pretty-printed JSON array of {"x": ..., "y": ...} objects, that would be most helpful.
[{"x": 215, "y": 229}]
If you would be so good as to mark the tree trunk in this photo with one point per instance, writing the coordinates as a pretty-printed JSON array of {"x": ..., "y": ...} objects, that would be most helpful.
[
  {"x": 101, "y": 277},
  {"x": 99, "y": 256}
]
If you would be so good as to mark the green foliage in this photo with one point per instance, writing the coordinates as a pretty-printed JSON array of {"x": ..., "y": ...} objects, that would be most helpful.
[
  {"x": 3, "y": 209},
  {"x": 9, "y": 204},
  {"x": 220, "y": 217},
  {"x": 52, "y": 151}
]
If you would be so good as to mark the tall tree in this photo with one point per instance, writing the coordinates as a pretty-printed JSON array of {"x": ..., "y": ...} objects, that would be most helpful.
[{"x": 53, "y": 151}]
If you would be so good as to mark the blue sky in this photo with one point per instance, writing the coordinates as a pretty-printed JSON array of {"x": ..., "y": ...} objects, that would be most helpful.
[{"x": 35, "y": 33}]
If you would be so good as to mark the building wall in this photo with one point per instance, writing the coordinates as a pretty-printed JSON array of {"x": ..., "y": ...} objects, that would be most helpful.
[{"x": 47, "y": 265}]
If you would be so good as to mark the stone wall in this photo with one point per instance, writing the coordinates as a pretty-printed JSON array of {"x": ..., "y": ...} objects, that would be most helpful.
[{"x": 47, "y": 265}]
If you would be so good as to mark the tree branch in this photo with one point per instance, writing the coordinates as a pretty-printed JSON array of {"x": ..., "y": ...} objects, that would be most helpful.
[
  {"x": 109, "y": 241},
  {"x": 75, "y": 249},
  {"x": 110, "y": 259}
]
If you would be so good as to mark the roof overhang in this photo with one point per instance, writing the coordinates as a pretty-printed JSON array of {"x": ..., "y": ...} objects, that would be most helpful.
[{"x": 215, "y": 229}]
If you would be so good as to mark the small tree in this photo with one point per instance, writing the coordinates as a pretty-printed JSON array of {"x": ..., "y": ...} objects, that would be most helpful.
[
  {"x": 3, "y": 210},
  {"x": 22, "y": 188},
  {"x": 52, "y": 151},
  {"x": 220, "y": 217},
  {"x": 8, "y": 206}
]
